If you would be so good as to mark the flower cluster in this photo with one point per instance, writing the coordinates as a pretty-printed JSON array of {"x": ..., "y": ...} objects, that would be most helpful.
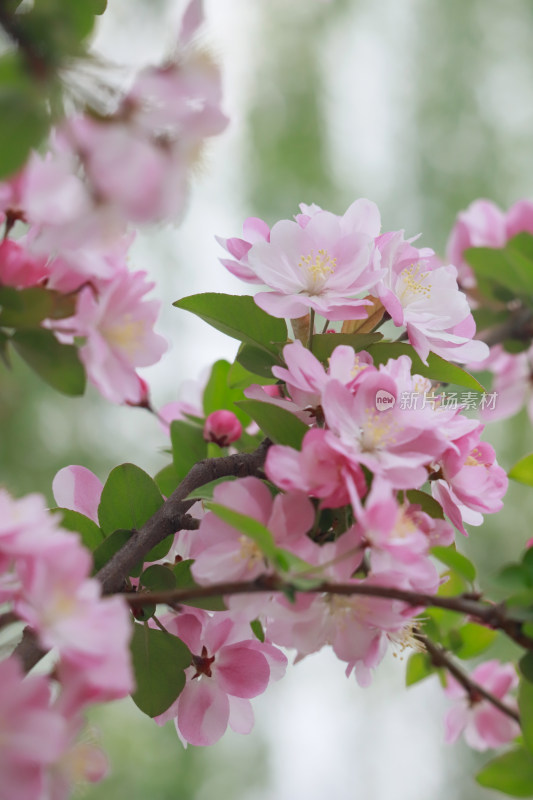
[
  {"x": 45, "y": 581},
  {"x": 101, "y": 173}
]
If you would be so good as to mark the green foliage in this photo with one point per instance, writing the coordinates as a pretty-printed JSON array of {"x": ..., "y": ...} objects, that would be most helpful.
[
  {"x": 257, "y": 629},
  {"x": 158, "y": 578},
  {"x": 324, "y": 344},
  {"x": 188, "y": 446},
  {"x": 427, "y": 503},
  {"x": 239, "y": 377},
  {"x": 238, "y": 317},
  {"x": 457, "y": 561},
  {"x": 509, "y": 268},
  {"x": 159, "y": 660},
  {"x": 26, "y": 308},
  {"x": 111, "y": 545},
  {"x": 474, "y": 640},
  {"x": 57, "y": 364},
  {"x": 510, "y": 773},
  {"x": 218, "y": 394},
  {"x": 129, "y": 498},
  {"x": 185, "y": 580},
  {"x": 522, "y": 471},
  {"x": 167, "y": 479},
  {"x": 277, "y": 423},
  {"x": 258, "y": 361},
  {"x": 419, "y": 666},
  {"x": 91, "y": 534},
  {"x": 525, "y": 707},
  {"x": 437, "y": 368}
]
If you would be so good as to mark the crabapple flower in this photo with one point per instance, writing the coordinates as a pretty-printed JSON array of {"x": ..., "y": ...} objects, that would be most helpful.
[
  {"x": 254, "y": 230},
  {"x": 78, "y": 489},
  {"x": 19, "y": 268},
  {"x": 511, "y": 382},
  {"x": 424, "y": 296},
  {"x": 484, "y": 726},
  {"x": 228, "y": 669},
  {"x": 318, "y": 469},
  {"x": 33, "y": 735},
  {"x": 222, "y": 427},
  {"x": 396, "y": 443},
  {"x": 472, "y": 481},
  {"x": 321, "y": 266},
  {"x": 119, "y": 337},
  {"x": 225, "y": 553}
]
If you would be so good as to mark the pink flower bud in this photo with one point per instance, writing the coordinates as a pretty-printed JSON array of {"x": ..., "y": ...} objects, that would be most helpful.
[{"x": 222, "y": 427}]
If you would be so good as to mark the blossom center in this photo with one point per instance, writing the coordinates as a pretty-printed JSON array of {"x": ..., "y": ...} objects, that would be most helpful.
[
  {"x": 126, "y": 334},
  {"x": 202, "y": 664},
  {"x": 375, "y": 431},
  {"x": 317, "y": 268},
  {"x": 413, "y": 285},
  {"x": 249, "y": 552}
]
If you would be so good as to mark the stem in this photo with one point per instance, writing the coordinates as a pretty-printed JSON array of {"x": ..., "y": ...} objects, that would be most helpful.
[
  {"x": 494, "y": 616},
  {"x": 311, "y": 328},
  {"x": 172, "y": 516},
  {"x": 440, "y": 658},
  {"x": 324, "y": 329}
]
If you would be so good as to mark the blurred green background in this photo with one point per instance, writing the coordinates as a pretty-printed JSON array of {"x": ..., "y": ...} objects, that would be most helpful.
[{"x": 419, "y": 105}]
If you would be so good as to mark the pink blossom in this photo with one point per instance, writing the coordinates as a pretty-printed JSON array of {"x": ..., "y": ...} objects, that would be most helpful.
[
  {"x": 33, "y": 736},
  {"x": 320, "y": 266},
  {"x": 254, "y": 230},
  {"x": 225, "y": 553},
  {"x": 396, "y": 443},
  {"x": 228, "y": 668},
  {"x": 18, "y": 267},
  {"x": 319, "y": 469},
  {"x": 473, "y": 483},
  {"x": 511, "y": 382},
  {"x": 79, "y": 489},
  {"x": 118, "y": 327},
  {"x": 484, "y": 726},
  {"x": 481, "y": 225},
  {"x": 423, "y": 295},
  {"x": 222, "y": 427}
]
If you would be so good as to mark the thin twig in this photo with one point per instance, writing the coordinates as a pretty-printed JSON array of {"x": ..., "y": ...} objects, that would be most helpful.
[{"x": 440, "y": 658}]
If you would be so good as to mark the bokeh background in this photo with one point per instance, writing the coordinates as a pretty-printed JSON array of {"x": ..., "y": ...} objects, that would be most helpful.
[{"x": 419, "y": 105}]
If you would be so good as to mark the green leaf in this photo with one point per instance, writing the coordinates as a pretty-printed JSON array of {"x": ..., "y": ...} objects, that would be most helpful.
[
  {"x": 188, "y": 446},
  {"x": 251, "y": 527},
  {"x": 418, "y": 667},
  {"x": 159, "y": 660},
  {"x": 23, "y": 113},
  {"x": 257, "y": 629},
  {"x": 129, "y": 498},
  {"x": 525, "y": 707},
  {"x": 510, "y": 773},
  {"x": 487, "y": 318},
  {"x": 475, "y": 639},
  {"x": 438, "y": 368},
  {"x": 158, "y": 578},
  {"x": 111, "y": 545},
  {"x": 185, "y": 580},
  {"x": 240, "y": 378},
  {"x": 90, "y": 533},
  {"x": 258, "y": 363},
  {"x": 205, "y": 492},
  {"x": 512, "y": 578},
  {"x": 219, "y": 395},
  {"x": 167, "y": 479},
  {"x": 238, "y": 317},
  {"x": 510, "y": 267},
  {"x": 57, "y": 364},
  {"x": 427, "y": 503},
  {"x": 523, "y": 470},
  {"x": 457, "y": 561},
  {"x": 277, "y": 423},
  {"x": 526, "y": 664},
  {"x": 325, "y": 343},
  {"x": 26, "y": 308}
]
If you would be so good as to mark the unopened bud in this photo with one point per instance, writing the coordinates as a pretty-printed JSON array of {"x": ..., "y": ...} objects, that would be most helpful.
[{"x": 222, "y": 428}]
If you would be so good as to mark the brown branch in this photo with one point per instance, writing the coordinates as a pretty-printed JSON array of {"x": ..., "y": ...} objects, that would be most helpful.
[
  {"x": 172, "y": 516},
  {"x": 440, "y": 658},
  {"x": 17, "y": 30},
  {"x": 494, "y": 616},
  {"x": 8, "y": 618}
]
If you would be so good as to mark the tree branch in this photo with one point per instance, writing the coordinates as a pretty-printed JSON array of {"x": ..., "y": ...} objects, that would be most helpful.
[
  {"x": 494, "y": 616},
  {"x": 172, "y": 516},
  {"x": 475, "y": 692}
]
